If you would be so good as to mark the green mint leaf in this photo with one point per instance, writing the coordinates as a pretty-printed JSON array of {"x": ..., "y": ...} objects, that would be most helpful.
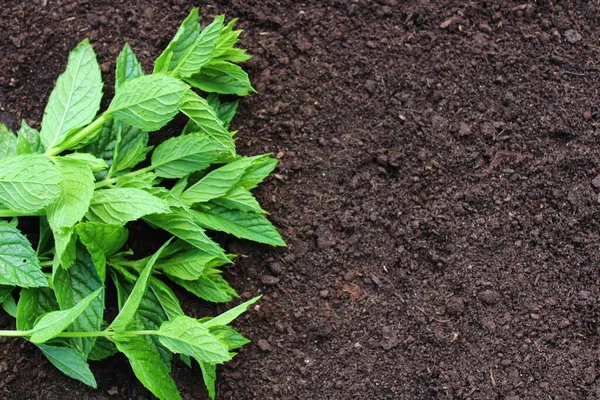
[
  {"x": 241, "y": 199},
  {"x": 51, "y": 324},
  {"x": 229, "y": 336},
  {"x": 183, "y": 40},
  {"x": 131, "y": 146},
  {"x": 103, "y": 348},
  {"x": 242, "y": 225},
  {"x": 130, "y": 307},
  {"x": 148, "y": 366},
  {"x": 182, "y": 155},
  {"x": 258, "y": 171},
  {"x": 121, "y": 205},
  {"x": 77, "y": 191},
  {"x": 166, "y": 297},
  {"x": 225, "y": 111},
  {"x": 188, "y": 265},
  {"x": 8, "y": 143},
  {"x": 9, "y": 306},
  {"x": 200, "y": 53},
  {"x": 149, "y": 313},
  {"x": 128, "y": 67},
  {"x": 28, "y": 140},
  {"x": 19, "y": 265},
  {"x": 76, "y": 97},
  {"x": 224, "y": 49},
  {"x": 182, "y": 225},
  {"x": 217, "y": 183},
  {"x": 29, "y": 183},
  {"x": 101, "y": 240},
  {"x": 209, "y": 375},
  {"x": 94, "y": 163},
  {"x": 65, "y": 247},
  {"x": 5, "y": 292},
  {"x": 227, "y": 317},
  {"x": 33, "y": 303},
  {"x": 70, "y": 363},
  {"x": 71, "y": 286},
  {"x": 185, "y": 335},
  {"x": 207, "y": 120},
  {"x": 148, "y": 102},
  {"x": 222, "y": 77},
  {"x": 211, "y": 287}
]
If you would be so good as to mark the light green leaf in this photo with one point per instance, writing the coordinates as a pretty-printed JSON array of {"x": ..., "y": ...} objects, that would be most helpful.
[
  {"x": 211, "y": 287},
  {"x": 217, "y": 183},
  {"x": 222, "y": 77},
  {"x": 77, "y": 191},
  {"x": 29, "y": 183},
  {"x": 181, "y": 224},
  {"x": 200, "y": 53},
  {"x": 130, "y": 307},
  {"x": 209, "y": 375},
  {"x": 28, "y": 140},
  {"x": 225, "y": 111},
  {"x": 71, "y": 287},
  {"x": 229, "y": 336},
  {"x": 261, "y": 168},
  {"x": 182, "y": 155},
  {"x": 76, "y": 97},
  {"x": 224, "y": 49},
  {"x": 8, "y": 142},
  {"x": 168, "y": 300},
  {"x": 146, "y": 181},
  {"x": 243, "y": 225},
  {"x": 183, "y": 40},
  {"x": 199, "y": 111},
  {"x": 227, "y": 317},
  {"x": 33, "y": 303},
  {"x": 188, "y": 265},
  {"x": 148, "y": 102},
  {"x": 70, "y": 363},
  {"x": 185, "y": 335},
  {"x": 128, "y": 67},
  {"x": 121, "y": 205},
  {"x": 10, "y": 307},
  {"x": 53, "y": 323},
  {"x": 241, "y": 199},
  {"x": 148, "y": 366},
  {"x": 65, "y": 250},
  {"x": 19, "y": 265},
  {"x": 94, "y": 163}
]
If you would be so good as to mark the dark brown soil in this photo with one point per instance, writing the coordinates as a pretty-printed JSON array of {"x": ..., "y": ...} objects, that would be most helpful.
[{"x": 436, "y": 189}]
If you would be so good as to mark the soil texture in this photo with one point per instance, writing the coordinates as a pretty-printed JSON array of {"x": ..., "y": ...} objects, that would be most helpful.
[{"x": 438, "y": 189}]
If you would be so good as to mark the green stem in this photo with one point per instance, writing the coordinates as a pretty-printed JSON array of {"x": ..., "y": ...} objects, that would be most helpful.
[
  {"x": 9, "y": 333},
  {"x": 78, "y": 136},
  {"x": 5, "y": 213},
  {"x": 15, "y": 333},
  {"x": 112, "y": 181}
]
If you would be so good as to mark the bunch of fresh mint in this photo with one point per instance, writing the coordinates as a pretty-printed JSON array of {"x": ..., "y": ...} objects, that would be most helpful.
[{"x": 79, "y": 174}]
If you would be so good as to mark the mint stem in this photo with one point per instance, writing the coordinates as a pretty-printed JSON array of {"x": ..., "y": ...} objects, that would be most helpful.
[{"x": 72, "y": 141}]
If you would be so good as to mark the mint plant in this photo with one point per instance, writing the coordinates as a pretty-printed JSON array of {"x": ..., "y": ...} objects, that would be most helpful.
[{"x": 86, "y": 175}]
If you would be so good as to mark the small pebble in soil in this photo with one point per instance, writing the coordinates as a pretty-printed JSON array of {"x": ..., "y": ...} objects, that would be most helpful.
[
  {"x": 572, "y": 36},
  {"x": 269, "y": 280},
  {"x": 264, "y": 345},
  {"x": 490, "y": 297}
]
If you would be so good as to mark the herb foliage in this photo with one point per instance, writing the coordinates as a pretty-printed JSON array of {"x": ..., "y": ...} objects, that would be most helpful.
[{"x": 81, "y": 175}]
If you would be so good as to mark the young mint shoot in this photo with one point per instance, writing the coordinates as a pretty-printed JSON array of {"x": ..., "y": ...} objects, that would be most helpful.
[{"x": 80, "y": 175}]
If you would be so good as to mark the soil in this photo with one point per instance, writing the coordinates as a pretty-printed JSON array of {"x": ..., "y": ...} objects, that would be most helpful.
[{"x": 437, "y": 188}]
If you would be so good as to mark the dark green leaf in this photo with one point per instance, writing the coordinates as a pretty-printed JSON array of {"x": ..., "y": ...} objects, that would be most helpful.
[
  {"x": 225, "y": 111},
  {"x": 19, "y": 265},
  {"x": 69, "y": 362},
  {"x": 33, "y": 303}
]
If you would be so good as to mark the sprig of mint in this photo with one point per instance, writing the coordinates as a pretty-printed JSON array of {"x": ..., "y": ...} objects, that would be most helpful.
[{"x": 81, "y": 175}]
